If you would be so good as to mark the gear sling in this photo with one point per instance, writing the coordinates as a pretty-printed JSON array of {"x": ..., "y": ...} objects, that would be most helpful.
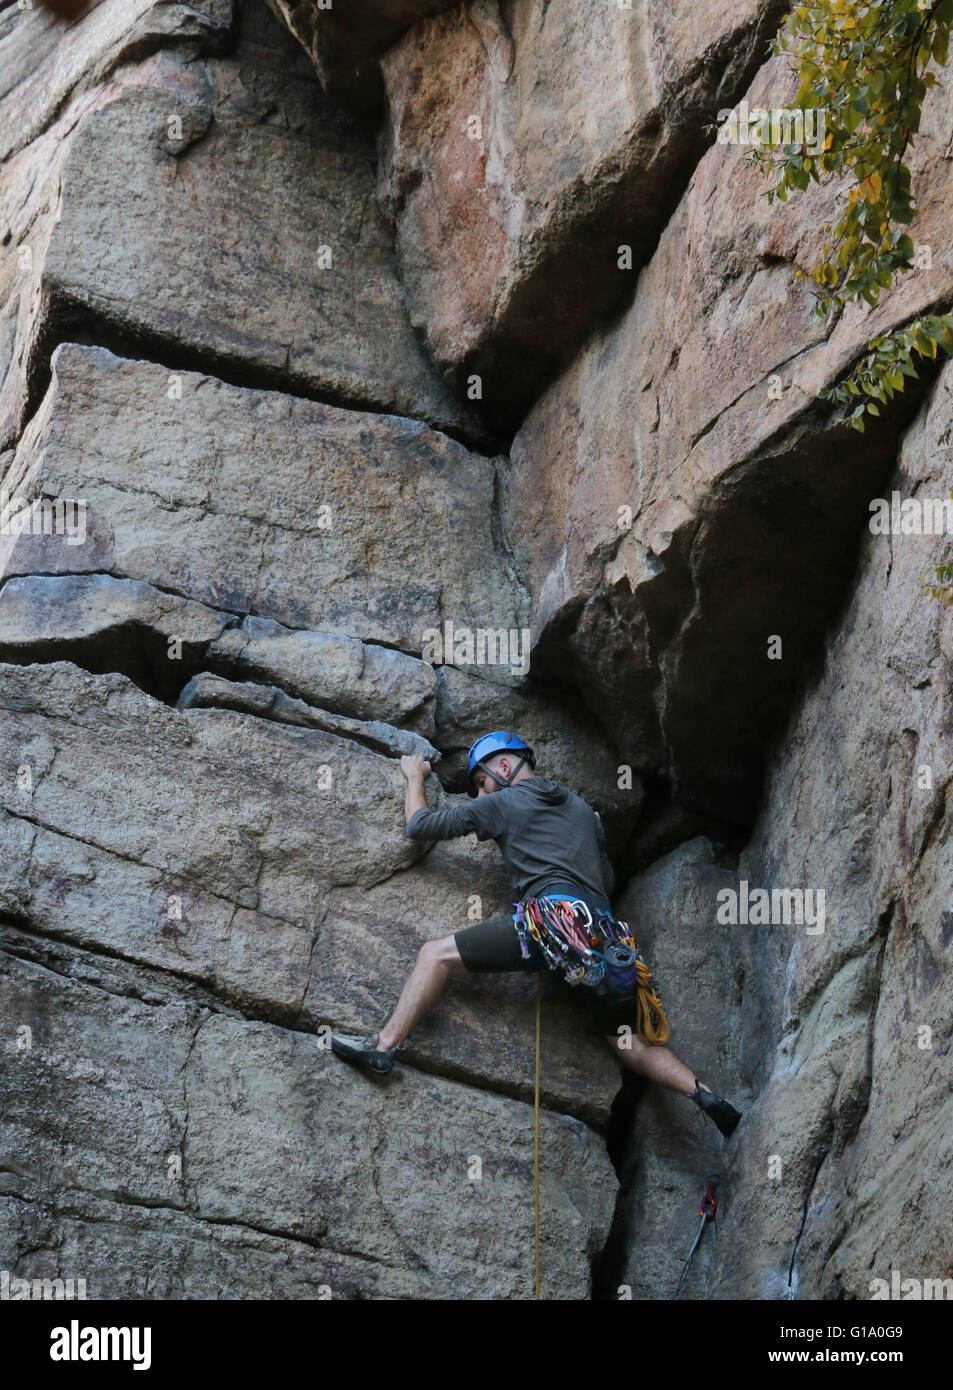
[{"x": 598, "y": 952}]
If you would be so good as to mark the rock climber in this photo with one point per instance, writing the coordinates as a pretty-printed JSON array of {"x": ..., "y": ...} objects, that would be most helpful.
[{"x": 553, "y": 846}]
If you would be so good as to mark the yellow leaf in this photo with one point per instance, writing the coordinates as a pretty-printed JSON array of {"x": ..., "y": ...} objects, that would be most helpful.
[{"x": 871, "y": 187}]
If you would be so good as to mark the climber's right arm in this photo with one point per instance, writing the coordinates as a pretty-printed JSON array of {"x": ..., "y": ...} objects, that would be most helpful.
[
  {"x": 476, "y": 817},
  {"x": 416, "y": 770}
]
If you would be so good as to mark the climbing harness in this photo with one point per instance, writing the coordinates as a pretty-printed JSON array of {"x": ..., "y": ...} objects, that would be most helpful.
[
  {"x": 599, "y": 952},
  {"x": 706, "y": 1211}
]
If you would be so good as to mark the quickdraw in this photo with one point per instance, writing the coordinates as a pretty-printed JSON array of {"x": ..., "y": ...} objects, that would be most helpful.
[
  {"x": 706, "y": 1210},
  {"x": 600, "y": 952}
]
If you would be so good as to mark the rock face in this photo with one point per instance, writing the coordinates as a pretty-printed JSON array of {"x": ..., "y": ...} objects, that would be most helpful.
[
  {"x": 325, "y": 291},
  {"x": 673, "y": 1145},
  {"x": 260, "y": 539},
  {"x": 533, "y": 156},
  {"x": 345, "y": 42},
  {"x": 857, "y": 1018},
  {"x": 168, "y": 149},
  {"x": 833, "y": 1023},
  {"x": 188, "y": 510},
  {"x": 678, "y": 497},
  {"x": 246, "y": 1109}
]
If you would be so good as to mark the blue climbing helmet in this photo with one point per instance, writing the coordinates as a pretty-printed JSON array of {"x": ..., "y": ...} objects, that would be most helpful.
[{"x": 487, "y": 746}]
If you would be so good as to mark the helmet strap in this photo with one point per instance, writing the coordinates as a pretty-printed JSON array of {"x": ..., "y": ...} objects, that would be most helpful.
[{"x": 504, "y": 782}]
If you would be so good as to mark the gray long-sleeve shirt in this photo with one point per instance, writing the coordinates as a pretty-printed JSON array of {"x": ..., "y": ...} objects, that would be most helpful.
[{"x": 547, "y": 834}]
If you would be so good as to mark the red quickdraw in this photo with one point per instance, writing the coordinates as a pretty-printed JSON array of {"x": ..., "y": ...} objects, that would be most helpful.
[{"x": 706, "y": 1210}]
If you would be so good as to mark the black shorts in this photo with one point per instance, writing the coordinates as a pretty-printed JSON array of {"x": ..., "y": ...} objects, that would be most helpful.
[{"x": 493, "y": 947}]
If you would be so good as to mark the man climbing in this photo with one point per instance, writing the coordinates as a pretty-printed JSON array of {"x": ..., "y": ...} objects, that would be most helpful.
[{"x": 553, "y": 845}]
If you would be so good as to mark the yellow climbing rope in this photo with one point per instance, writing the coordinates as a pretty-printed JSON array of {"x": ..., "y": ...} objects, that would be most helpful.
[
  {"x": 539, "y": 991},
  {"x": 649, "y": 1007}
]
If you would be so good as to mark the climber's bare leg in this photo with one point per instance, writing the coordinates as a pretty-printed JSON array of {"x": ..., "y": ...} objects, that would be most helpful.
[
  {"x": 436, "y": 962},
  {"x": 657, "y": 1063}
]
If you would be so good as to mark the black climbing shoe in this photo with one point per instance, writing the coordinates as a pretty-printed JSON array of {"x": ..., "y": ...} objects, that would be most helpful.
[
  {"x": 364, "y": 1052},
  {"x": 721, "y": 1111}
]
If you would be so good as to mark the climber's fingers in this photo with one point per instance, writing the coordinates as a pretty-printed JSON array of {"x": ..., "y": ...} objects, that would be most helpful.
[{"x": 411, "y": 765}]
